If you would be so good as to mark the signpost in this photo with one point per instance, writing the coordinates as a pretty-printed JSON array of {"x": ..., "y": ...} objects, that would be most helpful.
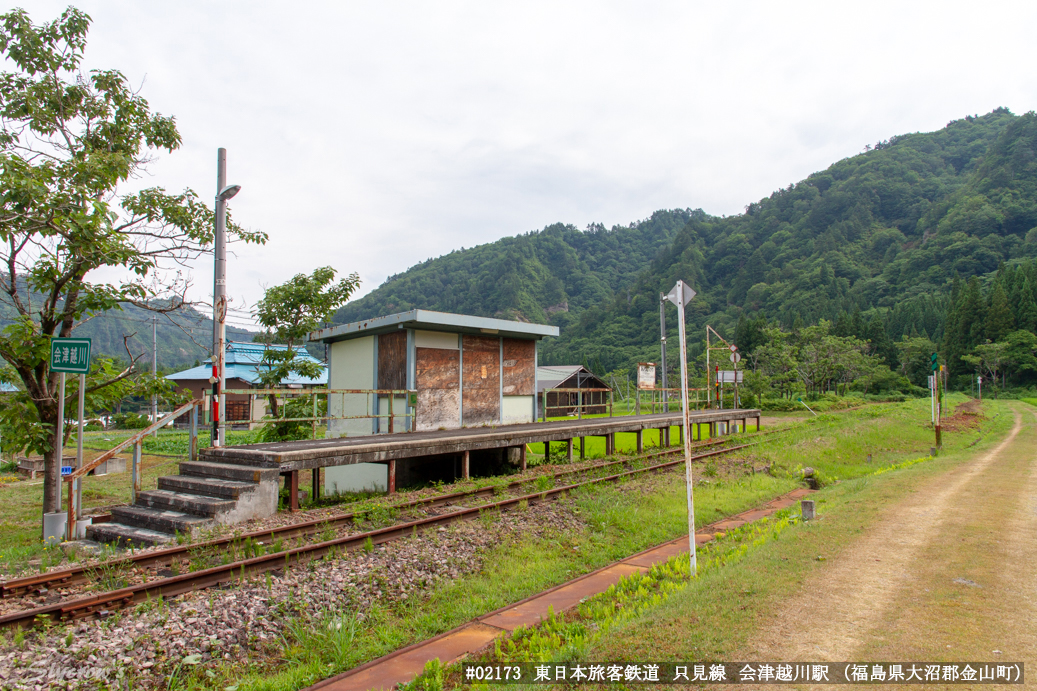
[
  {"x": 71, "y": 355},
  {"x": 681, "y": 295},
  {"x": 934, "y": 362}
]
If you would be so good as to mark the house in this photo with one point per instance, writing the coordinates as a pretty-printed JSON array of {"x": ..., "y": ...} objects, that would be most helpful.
[
  {"x": 446, "y": 371},
  {"x": 566, "y": 402},
  {"x": 242, "y": 362}
]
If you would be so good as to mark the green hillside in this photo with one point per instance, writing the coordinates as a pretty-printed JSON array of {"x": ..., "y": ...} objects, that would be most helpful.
[
  {"x": 874, "y": 240},
  {"x": 184, "y": 337}
]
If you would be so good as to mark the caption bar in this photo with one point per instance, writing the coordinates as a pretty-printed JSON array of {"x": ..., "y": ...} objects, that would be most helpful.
[{"x": 752, "y": 673}]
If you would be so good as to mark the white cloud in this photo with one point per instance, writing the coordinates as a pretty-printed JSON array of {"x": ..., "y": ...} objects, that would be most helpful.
[{"x": 371, "y": 136}]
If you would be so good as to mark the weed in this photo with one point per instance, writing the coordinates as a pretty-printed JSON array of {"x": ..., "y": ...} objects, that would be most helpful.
[
  {"x": 545, "y": 482},
  {"x": 383, "y": 515},
  {"x": 109, "y": 575},
  {"x": 711, "y": 468},
  {"x": 368, "y": 545},
  {"x": 327, "y": 532}
]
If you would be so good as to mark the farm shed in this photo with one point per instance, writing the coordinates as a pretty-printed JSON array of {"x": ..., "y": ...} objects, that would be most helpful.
[
  {"x": 565, "y": 402},
  {"x": 242, "y": 363},
  {"x": 464, "y": 371}
]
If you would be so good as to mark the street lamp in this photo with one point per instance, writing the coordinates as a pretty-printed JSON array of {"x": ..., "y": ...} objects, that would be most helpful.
[{"x": 219, "y": 301}]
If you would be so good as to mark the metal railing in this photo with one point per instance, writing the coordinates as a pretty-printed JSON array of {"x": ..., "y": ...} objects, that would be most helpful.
[
  {"x": 372, "y": 397},
  {"x": 660, "y": 400},
  {"x": 136, "y": 440}
]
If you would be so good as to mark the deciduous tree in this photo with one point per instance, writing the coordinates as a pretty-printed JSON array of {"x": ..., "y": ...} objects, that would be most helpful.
[{"x": 69, "y": 143}]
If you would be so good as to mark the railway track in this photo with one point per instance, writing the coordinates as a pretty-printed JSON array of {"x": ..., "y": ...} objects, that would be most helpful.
[{"x": 101, "y": 604}]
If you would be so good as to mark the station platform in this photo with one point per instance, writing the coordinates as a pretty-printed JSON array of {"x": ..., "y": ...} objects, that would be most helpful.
[{"x": 382, "y": 448}]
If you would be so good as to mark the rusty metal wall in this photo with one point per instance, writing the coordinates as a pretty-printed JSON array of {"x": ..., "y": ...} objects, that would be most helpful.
[
  {"x": 519, "y": 367},
  {"x": 392, "y": 360},
  {"x": 480, "y": 398},
  {"x": 438, "y": 383}
]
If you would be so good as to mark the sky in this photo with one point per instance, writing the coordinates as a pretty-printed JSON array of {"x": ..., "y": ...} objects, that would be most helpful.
[{"x": 371, "y": 136}]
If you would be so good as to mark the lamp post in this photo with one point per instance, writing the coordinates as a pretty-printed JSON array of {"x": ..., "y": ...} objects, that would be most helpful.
[{"x": 219, "y": 300}]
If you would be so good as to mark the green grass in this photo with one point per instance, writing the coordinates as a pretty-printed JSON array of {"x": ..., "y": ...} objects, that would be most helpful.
[
  {"x": 1031, "y": 401},
  {"x": 618, "y": 522},
  {"x": 21, "y": 511}
]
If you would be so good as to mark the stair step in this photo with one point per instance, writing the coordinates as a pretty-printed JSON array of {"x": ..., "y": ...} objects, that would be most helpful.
[
  {"x": 228, "y": 471},
  {"x": 232, "y": 456},
  {"x": 195, "y": 504},
  {"x": 164, "y": 521},
  {"x": 126, "y": 535},
  {"x": 211, "y": 486}
]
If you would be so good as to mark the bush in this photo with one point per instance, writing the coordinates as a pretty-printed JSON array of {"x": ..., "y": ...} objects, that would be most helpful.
[{"x": 130, "y": 421}]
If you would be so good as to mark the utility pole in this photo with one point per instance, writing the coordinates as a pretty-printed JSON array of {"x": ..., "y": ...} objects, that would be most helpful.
[
  {"x": 219, "y": 301},
  {"x": 662, "y": 341},
  {"x": 154, "y": 367}
]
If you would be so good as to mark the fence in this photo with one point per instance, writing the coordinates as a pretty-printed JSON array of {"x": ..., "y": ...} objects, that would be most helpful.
[
  {"x": 576, "y": 402},
  {"x": 660, "y": 400},
  {"x": 373, "y": 398}
]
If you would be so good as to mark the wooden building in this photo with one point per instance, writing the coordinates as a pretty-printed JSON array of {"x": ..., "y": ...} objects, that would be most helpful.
[
  {"x": 242, "y": 363},
  {"x": 555, "y": 386}
]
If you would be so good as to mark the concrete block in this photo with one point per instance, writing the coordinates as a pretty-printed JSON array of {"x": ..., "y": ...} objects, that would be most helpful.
[
  {"x": 113, "y": 465},
  {"x": 807, "y": 507}
]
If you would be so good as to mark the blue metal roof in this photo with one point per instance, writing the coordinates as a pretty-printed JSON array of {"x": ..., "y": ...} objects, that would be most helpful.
[{"x": 242, "y": 360}]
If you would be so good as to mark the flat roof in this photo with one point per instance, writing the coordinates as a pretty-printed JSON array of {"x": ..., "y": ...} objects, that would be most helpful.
[{"x": 428, "y": 320}]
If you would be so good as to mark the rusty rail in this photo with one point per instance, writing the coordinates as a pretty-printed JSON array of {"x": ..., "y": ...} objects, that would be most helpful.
[{"x": 276, "y": 561}]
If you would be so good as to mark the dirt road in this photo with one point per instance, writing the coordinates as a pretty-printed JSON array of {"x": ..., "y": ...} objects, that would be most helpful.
[{"x": 949, "y": 575}]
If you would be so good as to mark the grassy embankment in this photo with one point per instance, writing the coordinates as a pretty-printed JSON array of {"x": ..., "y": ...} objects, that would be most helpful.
[
  {"x": 745, "y": 577},
  {"x": 616, "y": 522}
]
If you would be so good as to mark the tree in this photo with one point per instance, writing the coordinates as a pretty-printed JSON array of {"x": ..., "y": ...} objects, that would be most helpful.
[
  {"x": 990, "y": 358},
  {"x": 757, "y": 384},
  {"x": 68, "y": 143},
  {"x": 1000, "y": 320},
  {"x": 289, "y": 312}
]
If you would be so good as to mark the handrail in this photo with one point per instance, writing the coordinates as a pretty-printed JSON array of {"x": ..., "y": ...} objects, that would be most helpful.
[
  {"x": 135, "y": 440},
  {"x": 319, "y": 392},
  {"x": 80, "y": 472}
]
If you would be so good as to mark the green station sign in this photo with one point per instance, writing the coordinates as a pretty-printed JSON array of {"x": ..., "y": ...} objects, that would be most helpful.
[{"x": 70, "y": 355}]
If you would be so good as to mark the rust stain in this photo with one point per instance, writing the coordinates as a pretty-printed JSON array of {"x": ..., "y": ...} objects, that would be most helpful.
[
  {"x": 480, "y": 402},
  {"x": 519, "y": 367}
]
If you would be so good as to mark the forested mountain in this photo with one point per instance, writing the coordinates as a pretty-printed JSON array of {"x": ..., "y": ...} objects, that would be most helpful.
[
  {"x": 876, "y": 239},
  {"x": 184, "y": 336}
]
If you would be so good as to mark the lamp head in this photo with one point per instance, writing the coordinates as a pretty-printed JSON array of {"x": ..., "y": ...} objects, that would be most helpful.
[{"x": 228, "y": 192}]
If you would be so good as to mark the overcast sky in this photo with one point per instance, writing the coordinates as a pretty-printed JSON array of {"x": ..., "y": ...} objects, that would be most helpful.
[{"x": 370, "y": 136}]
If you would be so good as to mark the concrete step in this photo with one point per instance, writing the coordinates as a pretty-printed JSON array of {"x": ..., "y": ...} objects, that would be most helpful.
[
  {"x": 194, "y": 504},
  {"x": 210, "y": 486},
  {"x": 228, "y": 471},
  {"x": 163, "y": 521},
  {"x": 127, "y": 535},
  {"x": 230, "y": 456}
]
